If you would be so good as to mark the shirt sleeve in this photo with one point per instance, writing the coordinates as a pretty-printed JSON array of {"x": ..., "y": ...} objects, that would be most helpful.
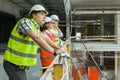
[
  {"x": 60, "y": 34},
  {"x": 24, "y": 26}
]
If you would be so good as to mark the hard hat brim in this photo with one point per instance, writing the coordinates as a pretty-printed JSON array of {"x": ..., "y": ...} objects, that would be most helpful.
[{"x": 46, "y": 12}]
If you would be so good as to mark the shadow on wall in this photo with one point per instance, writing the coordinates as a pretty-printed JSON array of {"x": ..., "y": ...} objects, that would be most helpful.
[{"x": 7, "y": 22}]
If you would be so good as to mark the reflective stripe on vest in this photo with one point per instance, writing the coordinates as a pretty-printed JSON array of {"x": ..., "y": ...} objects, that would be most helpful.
[
  {"x": 22, "y": 41},
  {"x": 21, "y": 50},
  {"x": 47, "y": 57},
  {"x": 21, "y": 54}
]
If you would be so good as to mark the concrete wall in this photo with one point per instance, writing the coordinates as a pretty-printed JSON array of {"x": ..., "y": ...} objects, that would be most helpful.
[{"x": 8, "y": 7}]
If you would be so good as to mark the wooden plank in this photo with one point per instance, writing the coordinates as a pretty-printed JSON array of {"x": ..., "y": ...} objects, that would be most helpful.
[{"x": 57, "y": 71}]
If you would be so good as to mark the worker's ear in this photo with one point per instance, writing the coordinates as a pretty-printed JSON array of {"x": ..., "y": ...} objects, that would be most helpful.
[{"x": 33, "y": 15}]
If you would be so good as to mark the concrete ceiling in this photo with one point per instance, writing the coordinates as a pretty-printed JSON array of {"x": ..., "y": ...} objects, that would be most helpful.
[
  {"x": 25, "y": 4},
  {"x": 94, "y": 4},
  {"x": 55, "y": 7},
  {"x": 58, "y": 6},
  {"x": 89, "y": 5}
]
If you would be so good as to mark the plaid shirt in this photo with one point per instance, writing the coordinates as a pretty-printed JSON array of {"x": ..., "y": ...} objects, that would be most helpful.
[{"x": 25, "y": 26}]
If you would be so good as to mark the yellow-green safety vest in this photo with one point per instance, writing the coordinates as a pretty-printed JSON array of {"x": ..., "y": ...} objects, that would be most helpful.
[
  {"x": 21, "y": 50},
  {"x": 57, "y": 40}
]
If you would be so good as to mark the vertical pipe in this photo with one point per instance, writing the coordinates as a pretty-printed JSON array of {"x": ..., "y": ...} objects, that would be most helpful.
[
  {"x": 117, "y": 27},
  {"x": 116, "y": 65},
  {"x": 102, "y": 26},
  {"x": 101, "y": 58}
]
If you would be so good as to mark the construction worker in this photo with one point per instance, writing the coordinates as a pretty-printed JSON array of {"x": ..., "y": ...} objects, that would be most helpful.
[
  {"x": 23, "y": 43},
  {"x": 56, "y": 30},
  {"x": 45, "y": 56}
]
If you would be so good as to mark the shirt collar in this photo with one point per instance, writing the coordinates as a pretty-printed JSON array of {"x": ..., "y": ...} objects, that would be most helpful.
[{"x": 37, "y": 26}]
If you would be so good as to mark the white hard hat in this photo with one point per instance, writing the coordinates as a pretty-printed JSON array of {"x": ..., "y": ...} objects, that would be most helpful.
[
  {"x": 48, "y": 19},
  {"x": 38, "y": 7},
  {"x": 54, "y": 17}
]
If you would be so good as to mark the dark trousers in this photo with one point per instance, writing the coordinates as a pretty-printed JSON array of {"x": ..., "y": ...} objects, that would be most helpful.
[{"x": 14, "y": 72}]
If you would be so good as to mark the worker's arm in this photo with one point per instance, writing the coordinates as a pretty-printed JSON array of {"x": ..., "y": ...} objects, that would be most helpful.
[
  {"x": 41, "y": 42},
  {"x": 50, "y": 42}
]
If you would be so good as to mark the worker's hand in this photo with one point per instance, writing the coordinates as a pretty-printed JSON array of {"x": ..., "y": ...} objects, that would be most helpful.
[
  {"x": 62, "y": 43},
  {"x": 61, "y": 50},
  {"x": 64, "y": 52}
]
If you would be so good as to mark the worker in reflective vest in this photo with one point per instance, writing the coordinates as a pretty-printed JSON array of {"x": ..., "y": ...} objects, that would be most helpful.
[
  {"x": 56, "y": 30},
  {"x": 47, "y": 57},
  {"x": 23, "y": 44}
]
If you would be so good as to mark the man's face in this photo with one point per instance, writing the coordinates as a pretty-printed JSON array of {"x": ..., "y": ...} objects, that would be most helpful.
[{"x": 40, "y": 17}]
